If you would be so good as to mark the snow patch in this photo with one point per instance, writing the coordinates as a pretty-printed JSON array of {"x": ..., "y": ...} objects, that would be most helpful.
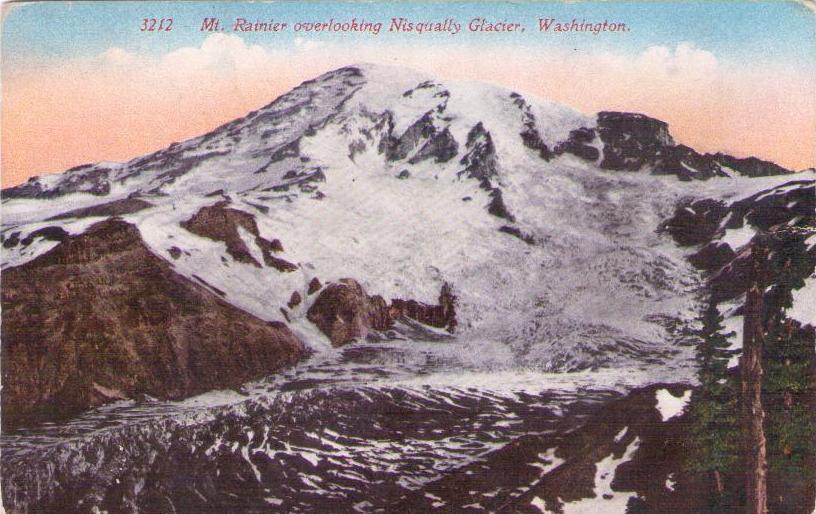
[
  {"x": 735, "y": 327},
  {"x": 671, "y": 406},
  {"x": 738, "y": 237},
  {"x": 671, "y": 483},
  {"x": 804, "y": 303},
  {"x": 436, "y": 500},
  {"x": 540, "y": 505}
]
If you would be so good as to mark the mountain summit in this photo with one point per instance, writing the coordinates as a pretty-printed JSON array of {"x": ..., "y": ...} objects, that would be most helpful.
[{"x": 408, "y": 118}]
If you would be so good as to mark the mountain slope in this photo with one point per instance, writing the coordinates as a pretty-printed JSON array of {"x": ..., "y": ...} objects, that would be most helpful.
[{"x": 405, "y": 184}]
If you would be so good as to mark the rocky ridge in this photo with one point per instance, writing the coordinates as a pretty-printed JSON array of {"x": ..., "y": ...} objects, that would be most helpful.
[{"x": 345, "y": 312}]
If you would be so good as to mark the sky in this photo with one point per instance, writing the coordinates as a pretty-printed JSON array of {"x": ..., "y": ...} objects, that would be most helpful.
[{"x": 82, "y": 83}]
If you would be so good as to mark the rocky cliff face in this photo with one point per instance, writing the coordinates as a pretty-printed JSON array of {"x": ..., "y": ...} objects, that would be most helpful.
[
  {"x": 786, "y": 214},
  {"x": 634, "y": 142},
  {"x": 100, "y": 317},
  {"x": 344, "y": 311},
  {"x": 441, "y": 315}
]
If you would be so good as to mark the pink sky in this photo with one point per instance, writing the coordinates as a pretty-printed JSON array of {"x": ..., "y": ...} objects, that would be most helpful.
[{"x": 118, "y": 105}]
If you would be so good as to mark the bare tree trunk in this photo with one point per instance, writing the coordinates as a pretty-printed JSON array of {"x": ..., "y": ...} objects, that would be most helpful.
[{"x": 756, "y": 490}]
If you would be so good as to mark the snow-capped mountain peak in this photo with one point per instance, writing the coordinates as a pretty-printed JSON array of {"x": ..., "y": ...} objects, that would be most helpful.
[{"x": 406, "y": 183}]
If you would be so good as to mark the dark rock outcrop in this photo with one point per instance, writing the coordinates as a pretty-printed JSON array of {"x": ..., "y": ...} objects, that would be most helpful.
[
  {"x": 480, "y": 160},
  {"x": 497, "y": 207},
  {"x": 441, "y": 147},
  {"x": 345, "y": 312},
  {"x": 532, "y": 140},
  {"x": 687, "y": 164},
  {"x": 635, "y": 142},
  {"x": 578, "y": 145},
  {"x": 266, "y": 246},
  {"x": 53, "y": 233},
  {"x": 751, "y": 166},
  {"x": 712, "y": 256},
  {"x": 530, "y": 136},
  {"x": 12, "y": 240},
  {"x": 696, "y": 222},
  {"x": 221, "y": 223},
  {"x": 442, "y": 315},
  {"x": 294, "y": 300},
  {"x": 48, "y": 233},
  {"x": 287, "y": 151},
  {"x": 314, "y": 286},
  {"x": 398, "y": 148},
  {"x": 631, "y": 141},
  {"x": 481, "y": 163},
  {"x": 279, "y": 264},
  {"x": 100, "y": 317},
  {"x": 516, "y": 232}
]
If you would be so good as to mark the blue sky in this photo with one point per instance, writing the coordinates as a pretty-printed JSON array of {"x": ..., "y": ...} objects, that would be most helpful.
[{"x": 733, "y": 30}]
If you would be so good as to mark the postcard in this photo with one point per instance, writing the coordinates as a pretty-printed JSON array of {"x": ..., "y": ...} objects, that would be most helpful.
[{"x": 408, "y": 257}]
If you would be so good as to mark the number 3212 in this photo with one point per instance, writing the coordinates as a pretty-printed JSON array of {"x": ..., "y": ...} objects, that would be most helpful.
[{"x": 156, "y": 25}]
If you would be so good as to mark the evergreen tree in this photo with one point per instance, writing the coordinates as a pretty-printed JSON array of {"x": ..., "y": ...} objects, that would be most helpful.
[
  {"x": 789, "y": 393},
  {"x": 715, "y": 442}
]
